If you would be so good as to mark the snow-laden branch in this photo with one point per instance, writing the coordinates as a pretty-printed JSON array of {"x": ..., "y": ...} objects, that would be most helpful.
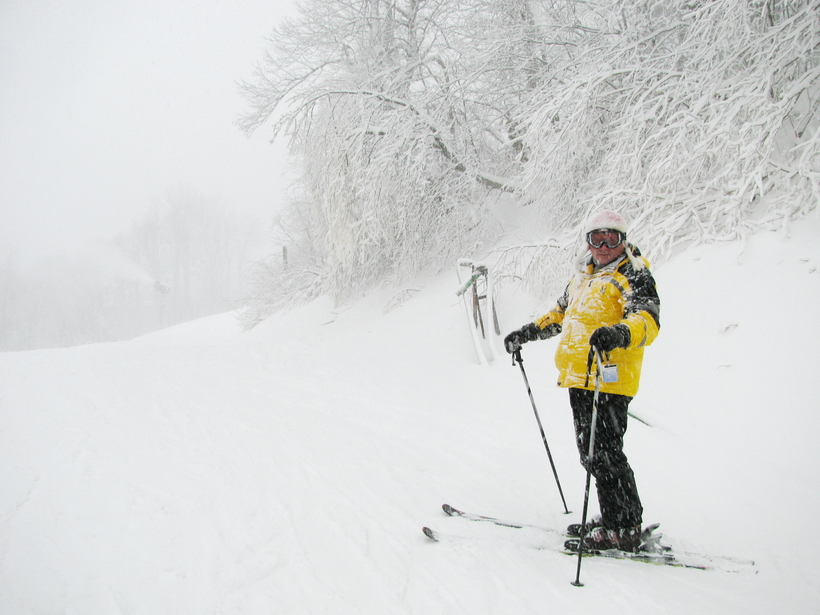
[
  {"x": 696, "y": 123},
  {"x": 401, "y": 111}
]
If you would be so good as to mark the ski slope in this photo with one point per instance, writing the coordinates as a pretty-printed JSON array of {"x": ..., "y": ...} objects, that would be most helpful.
[{"x": 289, "y": 469}]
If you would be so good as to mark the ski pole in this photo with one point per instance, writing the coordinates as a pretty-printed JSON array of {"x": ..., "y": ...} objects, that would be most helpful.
[
  {"x": 577, "y": 581},
  {"x": 517, "y": 359}
]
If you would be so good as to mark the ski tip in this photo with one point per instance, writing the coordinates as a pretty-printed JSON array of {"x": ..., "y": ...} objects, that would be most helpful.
[{"x": 429, "y": 533}]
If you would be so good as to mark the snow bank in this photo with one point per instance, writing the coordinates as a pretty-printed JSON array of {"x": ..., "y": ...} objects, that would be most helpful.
[{"x": 289, "y": 469}]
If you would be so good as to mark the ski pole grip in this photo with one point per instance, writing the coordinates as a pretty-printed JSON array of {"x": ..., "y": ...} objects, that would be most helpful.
[
  {"x": 592, "y": 354},
  {"x": 463, "y": 288}
]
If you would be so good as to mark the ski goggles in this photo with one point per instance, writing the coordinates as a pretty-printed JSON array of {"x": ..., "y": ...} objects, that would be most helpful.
[{"x": 605, "y": 237}]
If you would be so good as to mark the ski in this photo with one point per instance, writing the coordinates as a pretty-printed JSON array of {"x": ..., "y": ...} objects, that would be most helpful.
[
  {"x": 455, "y": 512},
  {"x": 654, "y": 552},
  {"x": 648, "y": 536},
  {"x": 664, "y": 558}
]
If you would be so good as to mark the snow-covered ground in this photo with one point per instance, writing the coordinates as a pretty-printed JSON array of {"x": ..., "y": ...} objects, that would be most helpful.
[{"x": 289, "y": 469}]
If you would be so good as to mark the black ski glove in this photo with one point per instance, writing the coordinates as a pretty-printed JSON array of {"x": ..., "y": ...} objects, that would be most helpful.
[
  {"x": 607, "y": 339},
  {"x": 528, "y": 333}
]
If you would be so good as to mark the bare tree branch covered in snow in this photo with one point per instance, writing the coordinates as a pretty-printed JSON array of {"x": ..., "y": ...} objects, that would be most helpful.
[
  {"x": 695, "y": 119},
  {"x": 293, "y": 276},
  {"x": 391, "y": 107}
]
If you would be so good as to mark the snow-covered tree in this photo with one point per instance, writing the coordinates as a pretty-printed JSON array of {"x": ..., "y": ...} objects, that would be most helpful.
[
  {"x": 693, "y": 118},
  {"x": 388, "y": 107},
  {"x": 696, "y": 119}
]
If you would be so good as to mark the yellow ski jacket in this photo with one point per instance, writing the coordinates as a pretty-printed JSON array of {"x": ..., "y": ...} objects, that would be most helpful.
[{"x": 622, "y": 292}]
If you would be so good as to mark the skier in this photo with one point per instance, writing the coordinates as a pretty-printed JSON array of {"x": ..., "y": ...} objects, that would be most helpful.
[{"x": 611, "y": 303}]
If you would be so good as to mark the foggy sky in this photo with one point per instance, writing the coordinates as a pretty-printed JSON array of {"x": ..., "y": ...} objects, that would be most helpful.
[{"x": 105, "y": 105}]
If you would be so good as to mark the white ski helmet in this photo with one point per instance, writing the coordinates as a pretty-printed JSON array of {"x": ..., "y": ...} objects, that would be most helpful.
[{"x": 606, "y": 219}]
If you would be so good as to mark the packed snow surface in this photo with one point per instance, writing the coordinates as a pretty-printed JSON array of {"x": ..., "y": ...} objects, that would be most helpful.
[{"x": 289, "y": 469}]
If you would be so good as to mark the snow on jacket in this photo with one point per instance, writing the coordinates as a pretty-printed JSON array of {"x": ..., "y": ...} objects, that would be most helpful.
[{"x": 622, "y": 292}]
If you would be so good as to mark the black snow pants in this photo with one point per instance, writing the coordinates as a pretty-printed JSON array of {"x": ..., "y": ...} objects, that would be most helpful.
[{"x": 614, "y": 480}]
